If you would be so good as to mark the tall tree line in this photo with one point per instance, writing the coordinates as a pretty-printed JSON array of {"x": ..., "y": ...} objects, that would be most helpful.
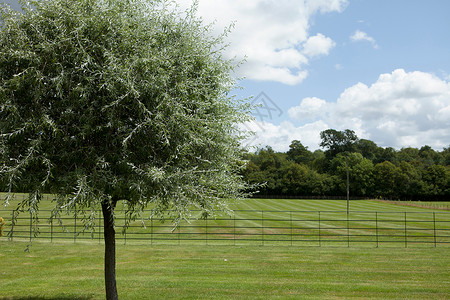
[{"x": 409, "y": 173}]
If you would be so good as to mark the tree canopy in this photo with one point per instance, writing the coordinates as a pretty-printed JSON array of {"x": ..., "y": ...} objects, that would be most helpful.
[
  {"x": 108, "y": 100},
  {"x": 408, "y": 173},
  {"x": 124, "y": 99},
  {"x": 338, "y": 141}
]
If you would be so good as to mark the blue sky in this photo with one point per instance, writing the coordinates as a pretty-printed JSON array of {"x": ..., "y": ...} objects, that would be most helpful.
[{"x": 380, "y": 68}]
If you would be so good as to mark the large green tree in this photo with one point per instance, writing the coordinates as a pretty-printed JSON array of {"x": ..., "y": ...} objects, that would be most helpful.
[
  {"x": 110, "y": 100},
  {"x": 299, "y": 153},
  {"x": 360, "y": 172},
  {"x": 386, "y": 176},
  {"x": 336, "y": 142},
  {"x": 437, "y": 180}
]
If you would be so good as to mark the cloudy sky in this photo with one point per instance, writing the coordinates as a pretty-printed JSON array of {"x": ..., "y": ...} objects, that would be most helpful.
[{"x": 380, "y": 68}]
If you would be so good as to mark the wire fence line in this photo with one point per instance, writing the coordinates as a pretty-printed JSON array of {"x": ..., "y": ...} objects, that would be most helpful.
[{"x": 255, "y": 227}]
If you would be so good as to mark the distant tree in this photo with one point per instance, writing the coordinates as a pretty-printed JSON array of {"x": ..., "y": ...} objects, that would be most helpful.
[
  {"x": 250, "y": 169},
  {"x": 388, "y": 154},
  {"x": 408, "y": 173},
  {"x": 437, "y": 180},
  {"x": 294, "y": 179},
  {"x": 299, "y": 153},
  {"x": 360, "y": 171},
  {"x": 385, "y": 179},
  {"x": 368, "y": 149},
  {"x": 408, "y": 154},
  {"x": 409, "y": 182},
  {"x": 267, "y": 159},
  {"x": 319, "y": 162},
  {"x": 429, "y": 156},
  {"x": 445, "y": 154},
  {"x": 335, "y": 141},
  {"x": 110, "y": 100}
]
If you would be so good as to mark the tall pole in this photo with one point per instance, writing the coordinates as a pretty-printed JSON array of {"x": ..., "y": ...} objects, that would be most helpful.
[{"x": 348, "y": 186}]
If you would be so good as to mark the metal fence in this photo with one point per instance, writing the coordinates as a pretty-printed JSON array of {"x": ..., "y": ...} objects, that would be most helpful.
[{"x": 251, "y": 227}]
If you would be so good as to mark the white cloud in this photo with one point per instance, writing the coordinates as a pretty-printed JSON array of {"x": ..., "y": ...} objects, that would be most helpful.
[
  {"x": 271, "y": 34},
  {"x": 400, "y": 109},
  {"x": 401, "y": 105},
  {"x": 318, "y": 45},
  {"x": 362, "y": 36},
  {"x": 447, "y": 77},
  {"x": 325, "y": 6},
  {"x": 309, "y": 109},
  {"x": 279, "y": 137}
]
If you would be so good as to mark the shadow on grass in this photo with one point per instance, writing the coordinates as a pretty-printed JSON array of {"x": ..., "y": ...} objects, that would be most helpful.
[{"x": 48, "y": 298}]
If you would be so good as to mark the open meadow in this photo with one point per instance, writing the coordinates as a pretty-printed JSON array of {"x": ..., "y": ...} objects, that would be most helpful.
[
  {"x": 67, "y": 270},
  {"x": 274, "y": 251},
  {"x": 288, "y": 222}
]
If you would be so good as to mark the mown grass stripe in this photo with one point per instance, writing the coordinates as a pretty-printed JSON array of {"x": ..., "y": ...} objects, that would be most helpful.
[{"x": 278, "y": 216}]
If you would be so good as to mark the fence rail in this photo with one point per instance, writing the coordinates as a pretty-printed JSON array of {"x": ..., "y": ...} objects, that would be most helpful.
[{"x": 250, "y": 227}]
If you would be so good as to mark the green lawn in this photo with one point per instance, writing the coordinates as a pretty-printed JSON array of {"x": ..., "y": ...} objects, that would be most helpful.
[
  {"x": 229, "y": 269},
  {"x": 74, "y": 271},
  {"x": 287, "y": 204},
  {"x": 441, "y": 205},
  {"x": 268, "y": 222}
]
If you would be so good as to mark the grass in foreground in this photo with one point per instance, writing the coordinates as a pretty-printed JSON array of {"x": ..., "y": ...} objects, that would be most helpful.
[{"x": 75, "y": 271}]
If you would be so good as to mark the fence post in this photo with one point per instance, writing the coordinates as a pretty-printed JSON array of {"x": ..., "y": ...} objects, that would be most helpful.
[
  {"x": 179, "y": 233},
  {"x": 151, "y": 231},
  {"x": 234, "y": 227},
  {"x": 75, "y": 227},
  {"x": 99, "y": 226},
  {"x": 291, "y": 226},
  {"x": 348, "y": 231},
  {"x": 262, "y": 226},
  {"x": 320, "y": 240},
  {"x": 51, "y": 229},
  {"x": 376, "y": 226},
  {"x": 31, "y": 224},
  {"x": 406, "y": 239},
  {"x": 12, "y": 226},
  {"x": 206, "y": 230},
  {"x": 434, "y": 228}
]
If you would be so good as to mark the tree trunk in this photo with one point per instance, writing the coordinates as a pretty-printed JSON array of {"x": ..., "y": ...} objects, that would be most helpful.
[{"x": 110, "y": 250}]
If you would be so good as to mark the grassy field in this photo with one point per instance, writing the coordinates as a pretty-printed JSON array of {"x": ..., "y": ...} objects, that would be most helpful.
[
  {"x": 441, "y": 205},
  {"x": 269, "y": 222},
  {"x": 230, "y": 269},
  {"x": 290, "y": 204},
  {"x": 74, "y": 271}
]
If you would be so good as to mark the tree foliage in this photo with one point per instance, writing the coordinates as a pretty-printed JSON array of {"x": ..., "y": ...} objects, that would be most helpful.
[
  {"x": 338, "y": 141},
  {"x": 124, "y": 99},
  {"x": 108, "y": 100},
  {"x": 299, "y": 153},
  {"x": 408, "y": 173},
  {"x": 360, "y": 172}
]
